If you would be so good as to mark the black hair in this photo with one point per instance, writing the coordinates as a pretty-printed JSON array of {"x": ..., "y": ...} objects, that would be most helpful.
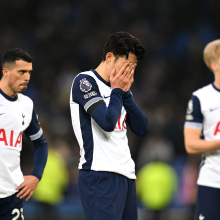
[
  {"x": 13, "y": 54},
  {"x": 123, "y": 43}
]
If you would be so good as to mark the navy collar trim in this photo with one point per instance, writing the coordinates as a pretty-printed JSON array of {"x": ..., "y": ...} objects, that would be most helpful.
[
  {"x": 100, "y": 78},
  {"x": 8, "y": 97}
]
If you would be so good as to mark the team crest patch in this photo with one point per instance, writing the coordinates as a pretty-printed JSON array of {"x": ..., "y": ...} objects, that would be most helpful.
[{"x": 85, "y": 85}]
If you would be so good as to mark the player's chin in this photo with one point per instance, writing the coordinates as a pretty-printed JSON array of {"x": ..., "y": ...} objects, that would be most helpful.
[{"x": 22, "y": 89}]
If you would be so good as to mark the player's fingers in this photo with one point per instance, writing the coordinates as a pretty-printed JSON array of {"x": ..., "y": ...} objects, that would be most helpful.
[
  {"x": 131, "y": 74},
  {"x": 30, "y": 194},
  {"x": 112, "y": 75},
  {"x": 123, "y": 69},
  {"x": 22, "y": 191},
  {"x": 134, "y": 66},
  {"x": 25, "y": 193},
  {"x": 20, "y": 187}
]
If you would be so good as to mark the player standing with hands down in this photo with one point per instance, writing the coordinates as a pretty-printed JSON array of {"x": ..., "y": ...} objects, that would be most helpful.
[
  {"x": 202, "y": 136},
  {"x": 101, "y": 107},
  {"x": 17, "y": 115}
]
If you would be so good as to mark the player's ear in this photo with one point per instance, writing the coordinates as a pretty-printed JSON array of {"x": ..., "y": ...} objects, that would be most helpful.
[
  {"x": 4, "y": 71},
  {"x": 109, "y": 57},
  {"x": 213, "y": 66}
]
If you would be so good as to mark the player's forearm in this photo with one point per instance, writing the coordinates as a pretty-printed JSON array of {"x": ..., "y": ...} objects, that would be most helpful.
[
  {"x": 137, "y": 119},
  {"x": 40, "y": 157},
  {"x": 106, "y": 117},
  {"x": 201, "y": 146}
]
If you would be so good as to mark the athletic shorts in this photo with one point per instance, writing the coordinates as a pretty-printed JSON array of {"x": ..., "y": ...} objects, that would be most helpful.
[
  {"x": 11, "y": 208},
  {"x": 208, "y": 203},
  {"x": 107, "y": 196}
]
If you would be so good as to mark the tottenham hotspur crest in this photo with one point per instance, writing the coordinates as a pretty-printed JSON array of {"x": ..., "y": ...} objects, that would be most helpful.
[
  {"x": 23, "y": 116},
  {"x": 85, "y": 85}
]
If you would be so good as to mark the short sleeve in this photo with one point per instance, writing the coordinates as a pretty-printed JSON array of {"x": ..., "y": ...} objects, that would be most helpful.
[
  {"x": 86, "y": 93},
  {"x": 194, "y": 116},
  {"x": 34, "y": 130}
]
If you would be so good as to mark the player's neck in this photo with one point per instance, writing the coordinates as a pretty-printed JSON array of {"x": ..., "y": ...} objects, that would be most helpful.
[
  {"x": 5, "y": 89},
  {"x": 217, "y": 83},
  {"x": 102, "y": 70}
]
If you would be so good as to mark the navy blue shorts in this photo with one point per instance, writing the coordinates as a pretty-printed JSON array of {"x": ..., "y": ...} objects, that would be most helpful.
[
  {"x": 107, "y": 196},
  {"x": 208, "y": 203},
  {"x": 11, "y": 208}
]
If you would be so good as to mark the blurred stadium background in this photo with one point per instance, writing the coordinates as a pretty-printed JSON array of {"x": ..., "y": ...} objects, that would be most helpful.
[{"x": 66, "y": 37}]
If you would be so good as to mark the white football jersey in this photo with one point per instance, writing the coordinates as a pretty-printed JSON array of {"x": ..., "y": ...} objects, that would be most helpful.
[
  {"x": 204, "y": 112},
  {"x": 16, "y": 115},
  {"x": 99, "y": 150}
]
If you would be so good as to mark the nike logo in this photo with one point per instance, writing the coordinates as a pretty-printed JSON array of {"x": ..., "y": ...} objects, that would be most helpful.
[
  {"x": 105, "y": 97},
  {"x": 213, "y": 109}
]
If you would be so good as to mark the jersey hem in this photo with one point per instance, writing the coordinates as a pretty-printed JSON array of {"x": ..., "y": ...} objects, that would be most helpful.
[
  {"x": 209, "y": 185},
  {"x": 123, "y": 174}
]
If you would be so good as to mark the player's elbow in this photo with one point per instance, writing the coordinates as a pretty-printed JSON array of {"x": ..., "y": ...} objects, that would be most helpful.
[
  {"x": 141, "y": 129},
  {"x": 141, "y": 132},
  {"x": 189, "y": 149},
  {"x": 106, "y": 126},
  {"x": 144, "y": 129},
  {"x": 144, "y": 132}
]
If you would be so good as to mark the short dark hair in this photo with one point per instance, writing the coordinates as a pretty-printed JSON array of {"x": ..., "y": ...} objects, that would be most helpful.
[
  {"x": 123, "y": 43},
  {"x": 13, "y": 54}
]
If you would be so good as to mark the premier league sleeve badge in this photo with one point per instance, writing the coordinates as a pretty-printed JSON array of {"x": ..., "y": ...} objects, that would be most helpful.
[{"x": 85, "y": 85}]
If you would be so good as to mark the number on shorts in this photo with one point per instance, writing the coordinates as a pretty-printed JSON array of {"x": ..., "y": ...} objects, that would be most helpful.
[{"x": 18, "y": 214}]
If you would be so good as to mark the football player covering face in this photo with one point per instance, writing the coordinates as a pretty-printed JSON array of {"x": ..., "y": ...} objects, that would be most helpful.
[
  {"x": 119, "y": 67},
  {"x": 16, "y": 76},
  {"x": 103, "y": 118}
]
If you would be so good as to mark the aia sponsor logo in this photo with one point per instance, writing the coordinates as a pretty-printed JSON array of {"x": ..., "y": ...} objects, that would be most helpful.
[
  {"x": 13, "y": 140},
  {"x": 121, "y": 125}
]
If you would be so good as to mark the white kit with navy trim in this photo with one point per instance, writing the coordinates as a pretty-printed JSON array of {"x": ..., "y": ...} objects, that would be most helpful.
[
  {"x": 16, "y": 115},
  {"x": 99, "y": 150},
  {"x": 204, "y": 112}
]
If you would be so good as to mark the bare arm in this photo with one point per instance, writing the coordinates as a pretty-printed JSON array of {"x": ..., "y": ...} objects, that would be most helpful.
[{"x": 195, "y": 145}]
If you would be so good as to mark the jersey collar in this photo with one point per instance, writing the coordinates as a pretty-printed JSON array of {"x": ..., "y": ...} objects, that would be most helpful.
[
  {"x": 100, "y": 78},
  {"x": 8, "y": 97}
]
